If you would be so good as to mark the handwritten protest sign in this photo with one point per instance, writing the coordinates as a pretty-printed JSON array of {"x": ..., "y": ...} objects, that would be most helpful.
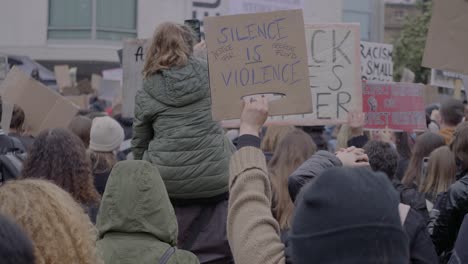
[
  {"x": 133, "y": 59},
  {"x": 398, "y": 106},
  {"x": 447, "y": 38},
  {"x": 261, "y": 53},
  {"x": 43, "y": 107},
  {"x": 376, "y": 61},
  {"x": 335, "y": 76}
]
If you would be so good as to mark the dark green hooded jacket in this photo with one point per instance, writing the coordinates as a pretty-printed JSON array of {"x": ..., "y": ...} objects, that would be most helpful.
[
  {"x": 136, "y": 221},
  {"x": 174, "y": 130}
]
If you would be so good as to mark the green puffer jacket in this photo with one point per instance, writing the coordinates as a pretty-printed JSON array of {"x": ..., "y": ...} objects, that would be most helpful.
[
  {"x": 136, "y": 221},
  {"x": 174, "y": 130}
]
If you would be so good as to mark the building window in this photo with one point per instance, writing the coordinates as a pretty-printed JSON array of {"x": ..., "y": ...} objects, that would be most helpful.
[
  {"x": 92, "y": 19},
  {"x": 399, "y": 14}
]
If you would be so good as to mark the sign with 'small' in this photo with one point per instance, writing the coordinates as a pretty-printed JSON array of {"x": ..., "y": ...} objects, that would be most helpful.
[{"x": 262, "y": 53}]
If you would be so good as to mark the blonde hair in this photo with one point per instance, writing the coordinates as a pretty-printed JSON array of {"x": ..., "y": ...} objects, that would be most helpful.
[
  {"x": 172, "y": 45},
  {"x": 59, "y": 228},
  {"x": 295, "y": 148},
  {"x": 273, "y": 136},
  {"x": 102, "y": 161},
  {"x": 343, "y": 136},
  {"x": 441, "y": 171}
]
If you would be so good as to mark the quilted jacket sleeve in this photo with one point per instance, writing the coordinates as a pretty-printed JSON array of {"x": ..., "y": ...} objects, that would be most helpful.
[
  {"x": 146, "y": 110},
  {"x": 310, "y": 169}
]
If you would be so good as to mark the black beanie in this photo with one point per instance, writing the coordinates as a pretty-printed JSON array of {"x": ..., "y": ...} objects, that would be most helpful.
[{"x": 348, "y": 216}]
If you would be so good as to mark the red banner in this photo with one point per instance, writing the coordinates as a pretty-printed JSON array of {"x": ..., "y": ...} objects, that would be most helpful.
[{"x": 398, "y": 106}]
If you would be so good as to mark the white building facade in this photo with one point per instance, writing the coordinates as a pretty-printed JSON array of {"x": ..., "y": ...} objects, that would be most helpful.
[{"x": 88, "y": 33}]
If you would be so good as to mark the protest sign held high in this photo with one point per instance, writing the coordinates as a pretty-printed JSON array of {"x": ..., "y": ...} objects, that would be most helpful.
[
  {"x": 133, "y": 61},
  {"x": 261, "y": 53},
  {"x": 43, "y": 107},
  {"x": 376, "y": 61},
  {"x": 396, "y": 106},
  {"x": 447, "y": 38}
]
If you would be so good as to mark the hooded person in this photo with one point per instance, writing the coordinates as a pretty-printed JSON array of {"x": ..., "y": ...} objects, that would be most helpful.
[{"x": 136, "y": 222}]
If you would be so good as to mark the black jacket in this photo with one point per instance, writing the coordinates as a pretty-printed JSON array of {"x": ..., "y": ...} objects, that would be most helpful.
[
  {"x": 460, "y": 254},
  {"x": 311, "y": 169},
  {"x": 447, "y": 215},
  {"x": 421, "y": 248},
  {"x": 410, "y": 196}
]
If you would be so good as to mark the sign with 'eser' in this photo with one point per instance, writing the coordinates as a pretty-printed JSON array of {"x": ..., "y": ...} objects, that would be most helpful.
[{"x": 263, "y": 53}]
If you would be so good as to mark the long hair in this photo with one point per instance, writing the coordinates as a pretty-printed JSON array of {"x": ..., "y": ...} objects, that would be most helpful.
[
  {"x": 459, "y": 145},
  {"x": 295, "y": 148},
  {"x": 344, "y": 134},
  {"x": 172, "y": 45},
  {"x": 81, "y": 126},
  {"x": 441, "y": 171},
  {"x": 425, "y": 144},
  {"x": 59, "y": 156},
  {"x": 102, "y": 161},
  {"x": 60, "y": 230},
  {"x": 273, "y": 136}
]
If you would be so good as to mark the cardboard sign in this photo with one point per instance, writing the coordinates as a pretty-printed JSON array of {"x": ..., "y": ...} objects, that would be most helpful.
[
  {"x": 333, "y": 52},
  {"x": 447, "y": 38},
  {"x": 398, "y": 106},
  {"x": 43, "y": 107},
  {"x": 376, "y": 61},
  {"x": 263, "y": 53},
  {"x": 133, "y": 58},
  {"x": 109, "y": 90},
  {"x": 62, "y": 75},
  {"x": 82, "y": 101}
]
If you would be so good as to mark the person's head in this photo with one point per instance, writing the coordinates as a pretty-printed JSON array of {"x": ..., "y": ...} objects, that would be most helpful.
[
  {"x": 348, "y": 215},
  {"x": 15, "y": 245},
  {"x": 59, "y": 156},
  {"x": 273, "y": 136},
  {"x": 81, "y": 126},
  {"x": 404, "y": 144},
  {"x": 294, "y": 148},
  {"x": 106, "y": 135},
  {"x": 382, "y": 157},
  {"x": 171, "y": 46},
  {"x": 60, "y": 230},
  {"x": 17, "y": 120},
  {"x": 424, "y": 145},
  {"x": 452, "y": 112},
  {"x": 441, "y": 171},
  {"x": 460, "y": 145},
  {"x": 135, "y": 202}
]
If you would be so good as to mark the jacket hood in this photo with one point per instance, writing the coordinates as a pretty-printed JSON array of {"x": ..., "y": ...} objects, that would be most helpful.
[
  {"x": 136, "y": 201},
  {"x": 179, "y": 86}
]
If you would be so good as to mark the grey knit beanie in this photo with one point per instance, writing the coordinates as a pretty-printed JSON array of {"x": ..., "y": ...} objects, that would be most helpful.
[{"x": 106, "y": 134}]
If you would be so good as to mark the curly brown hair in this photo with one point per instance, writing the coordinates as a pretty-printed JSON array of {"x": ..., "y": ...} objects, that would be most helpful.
[
  {"x": 60, "y": 156},
  {"x": 60, "y": 230}
]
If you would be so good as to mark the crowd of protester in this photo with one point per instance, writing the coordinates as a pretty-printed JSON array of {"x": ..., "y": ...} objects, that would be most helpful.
[{"x": 171, "y": 186}]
